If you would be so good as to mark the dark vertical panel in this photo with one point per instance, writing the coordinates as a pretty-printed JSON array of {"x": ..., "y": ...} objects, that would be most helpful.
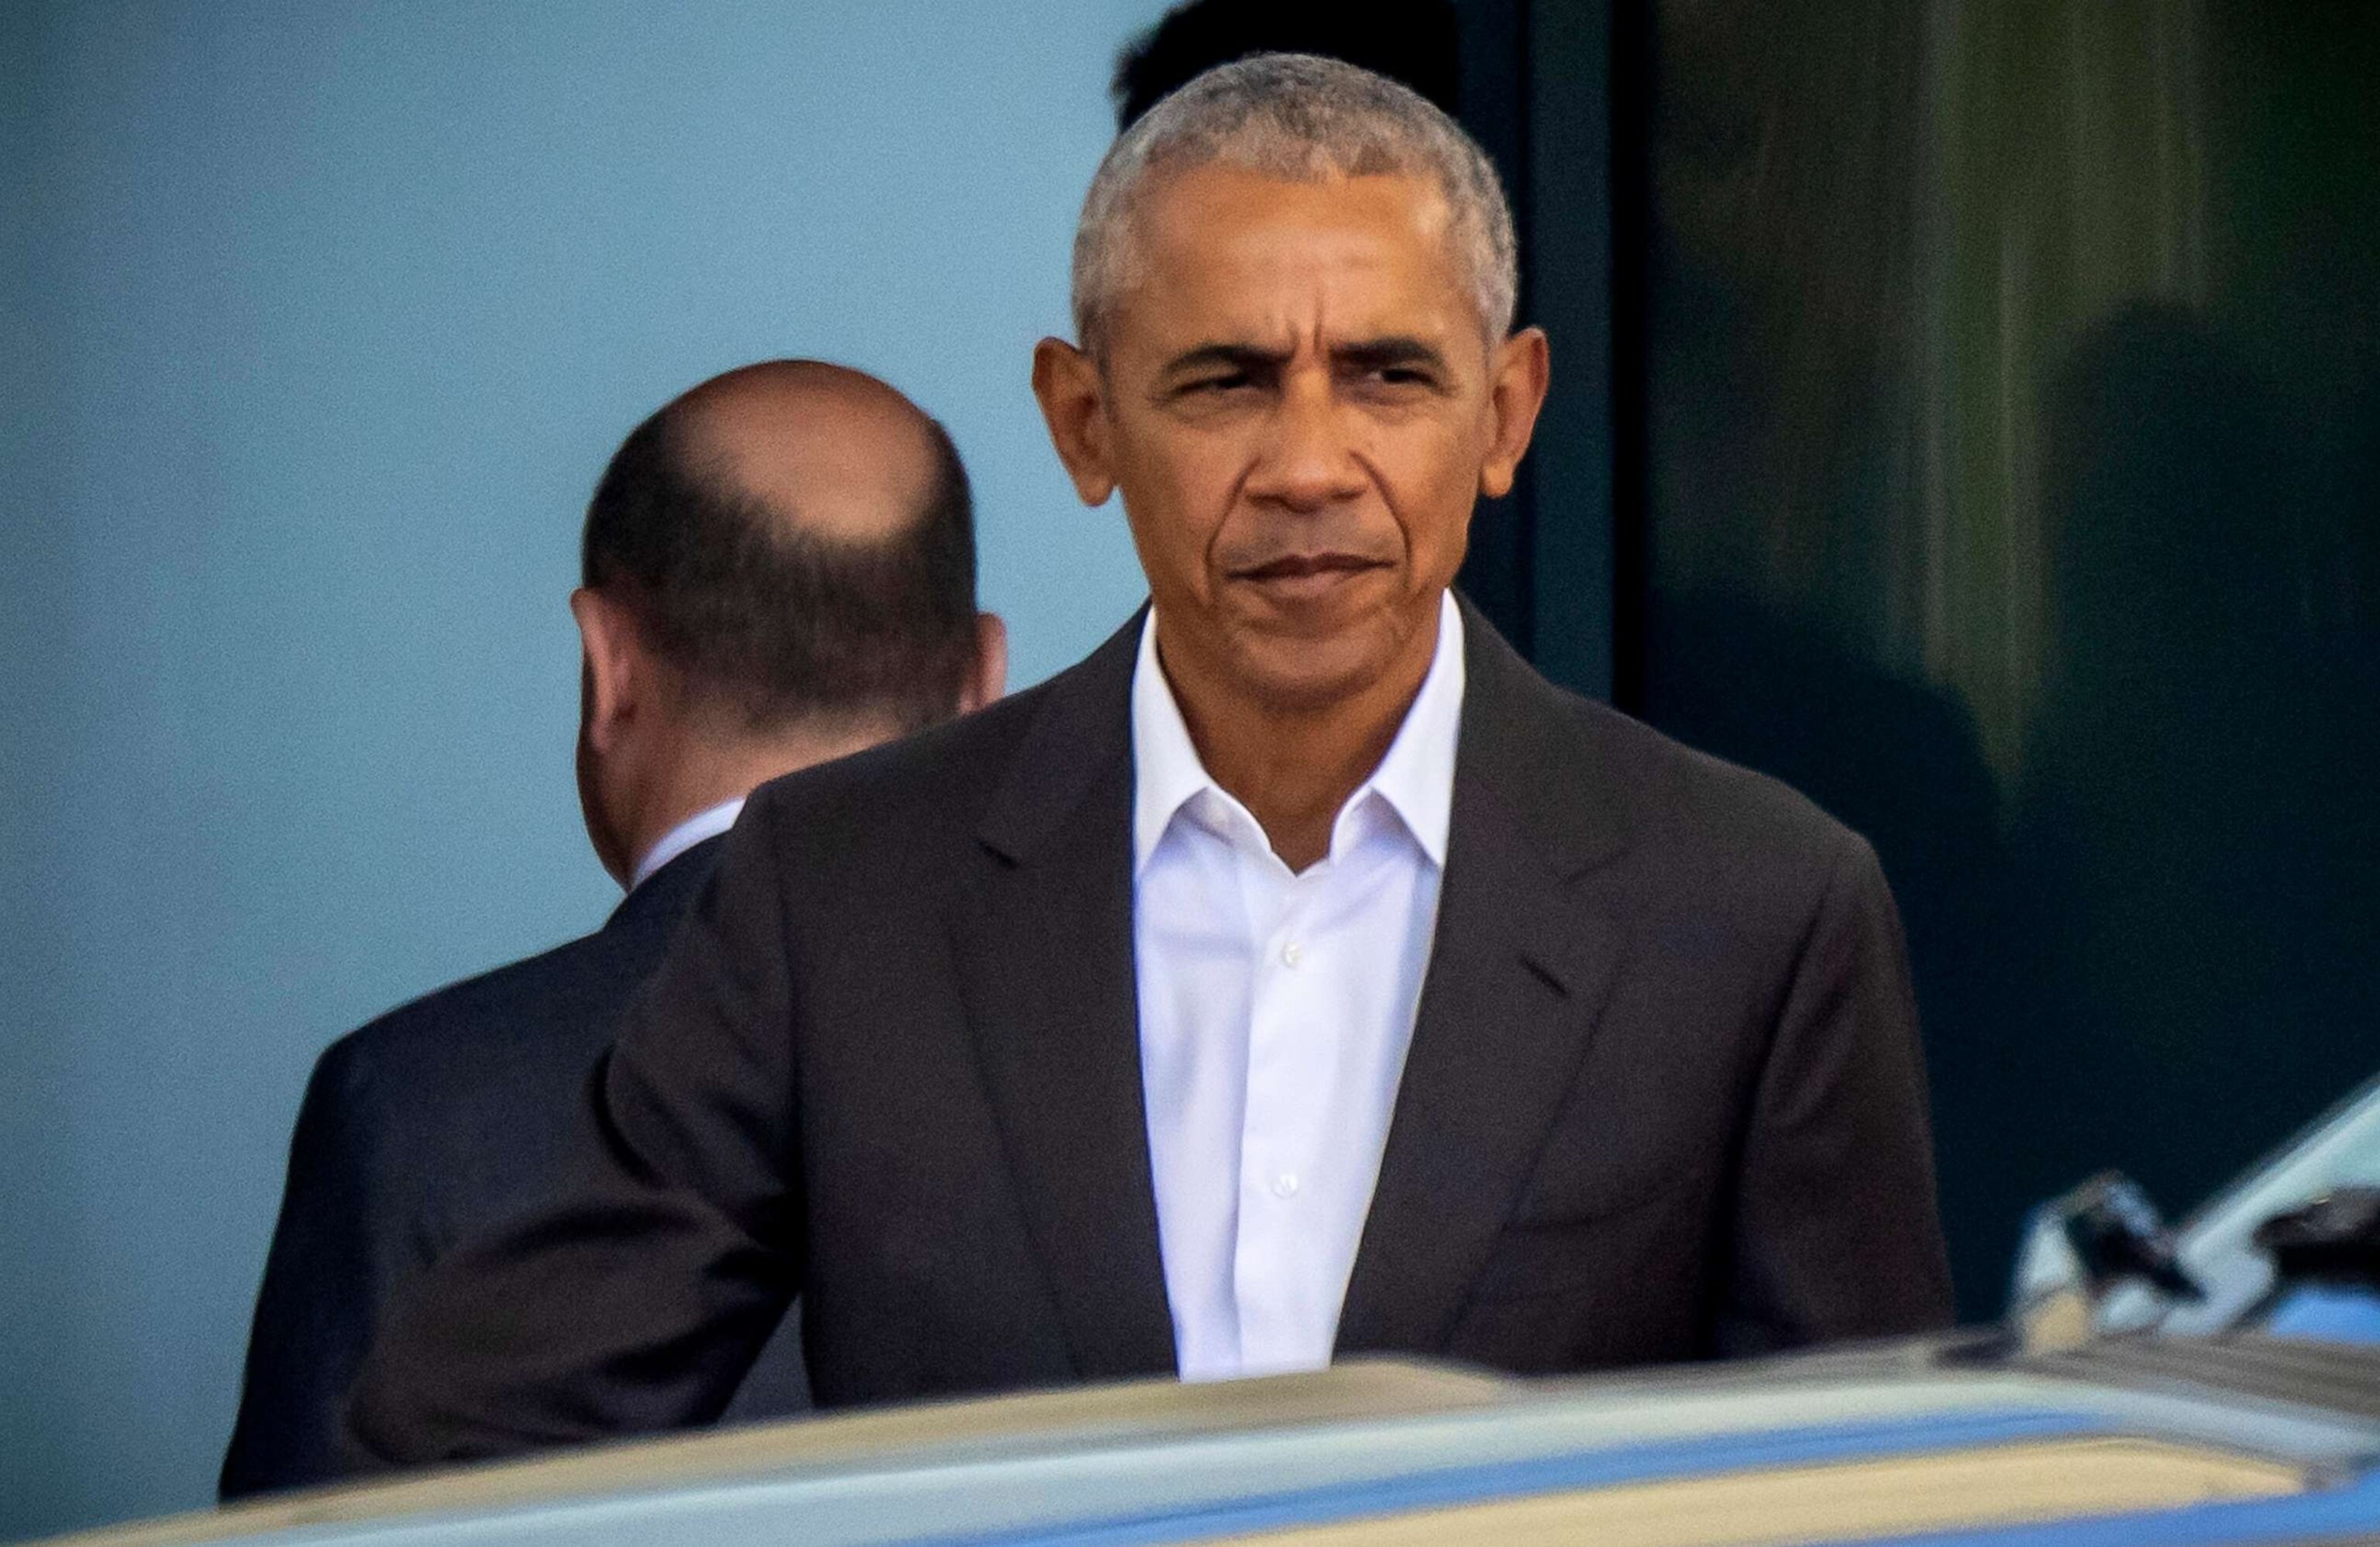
[
  {"x": 1632, "y": 76},
  {"x": 1569, "y": 202},
  {"x": 1537, "y": 93},
  {"x": 1498, "y": 572}
]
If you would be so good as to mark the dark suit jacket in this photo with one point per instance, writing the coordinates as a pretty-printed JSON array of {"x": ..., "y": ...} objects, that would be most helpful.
[
  {"x": 432, "y": 1123},
  {"x": 1664, "y": 1097}
]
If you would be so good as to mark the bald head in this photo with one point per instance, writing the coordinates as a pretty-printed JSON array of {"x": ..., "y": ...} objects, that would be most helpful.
[
  {"x": 797, "y": 539},
  {"x": 833, "y": 452}
]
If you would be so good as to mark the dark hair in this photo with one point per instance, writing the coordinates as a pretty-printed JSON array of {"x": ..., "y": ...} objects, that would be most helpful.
[
  {"x": 776, "y": 623},
  {"x": 1415, "y": 43}
]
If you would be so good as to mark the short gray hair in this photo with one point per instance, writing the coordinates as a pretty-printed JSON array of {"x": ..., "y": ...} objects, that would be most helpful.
[{"x": 1301, "y": 118}]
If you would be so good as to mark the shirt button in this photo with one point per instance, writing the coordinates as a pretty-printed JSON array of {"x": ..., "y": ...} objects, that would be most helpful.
[
  {"x": 1291, "y": 955},
  {"x": 1285, "y": 1185}
]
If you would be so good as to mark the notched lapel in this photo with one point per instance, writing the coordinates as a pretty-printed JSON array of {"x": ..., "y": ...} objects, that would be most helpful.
[
  {"x": 1523, "y": 960},
  {"x": 1045, "y": 953}
]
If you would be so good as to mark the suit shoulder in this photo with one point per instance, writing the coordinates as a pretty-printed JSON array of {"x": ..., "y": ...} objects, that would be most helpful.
[
  {"x": 411, "y": 1052},
  {"x": 935, "y": 780},
  {"x": 1678, "y": 796}
]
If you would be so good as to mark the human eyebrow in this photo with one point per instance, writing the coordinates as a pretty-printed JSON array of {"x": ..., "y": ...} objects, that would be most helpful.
[
  {"x": 1240, "y": 359},
  {"x": 1371, "y": 355}
]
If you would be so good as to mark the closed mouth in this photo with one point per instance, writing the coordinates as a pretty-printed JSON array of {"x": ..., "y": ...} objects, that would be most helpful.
[{"x": 1305, "y": 566}]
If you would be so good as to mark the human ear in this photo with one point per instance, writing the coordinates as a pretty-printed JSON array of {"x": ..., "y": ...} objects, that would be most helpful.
[
  {"x": 1074, "y": 403},
  {"x": 989, "y": 678},
  {"x": 1517, "y": 374},
  {"x": 614, "y": 675}
]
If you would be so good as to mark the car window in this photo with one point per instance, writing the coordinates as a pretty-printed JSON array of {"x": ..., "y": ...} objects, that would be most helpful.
[
  {"x": 2218, "y": 1243},
  {"x": 2329, "y": 1313}
]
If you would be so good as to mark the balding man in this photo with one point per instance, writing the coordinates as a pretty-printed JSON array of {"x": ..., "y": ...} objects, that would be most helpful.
[
  {"x": 779, "y": 570},
  {"x": 1300, "y": 975}
]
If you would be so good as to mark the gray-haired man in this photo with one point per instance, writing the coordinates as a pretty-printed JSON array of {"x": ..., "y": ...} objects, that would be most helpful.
[{"x": 1299, "y": 975}]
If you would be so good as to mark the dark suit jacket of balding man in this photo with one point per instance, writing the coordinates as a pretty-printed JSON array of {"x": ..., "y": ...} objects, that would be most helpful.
[
  {"x": 434, "y": 1122},
  {"x": 1664, "y": 1097}
]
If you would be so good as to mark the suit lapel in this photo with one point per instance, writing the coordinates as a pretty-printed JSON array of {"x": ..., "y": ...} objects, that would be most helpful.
[
  {"x": 1045, "y": 953},
  {"x": 1523, "y": 960}
]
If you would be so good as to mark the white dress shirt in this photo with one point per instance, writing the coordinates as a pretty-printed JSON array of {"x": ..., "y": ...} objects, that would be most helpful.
[
  {"x": 684, "y": 835},
  {"x": 1275, "y": 1011}
]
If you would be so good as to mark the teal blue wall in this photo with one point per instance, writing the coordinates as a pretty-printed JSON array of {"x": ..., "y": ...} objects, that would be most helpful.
[{"x": 317, "y": 322}]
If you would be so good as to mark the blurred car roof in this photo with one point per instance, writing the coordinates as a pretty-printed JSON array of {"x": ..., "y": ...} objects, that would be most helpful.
[{"x": 1950, "y": 1439}]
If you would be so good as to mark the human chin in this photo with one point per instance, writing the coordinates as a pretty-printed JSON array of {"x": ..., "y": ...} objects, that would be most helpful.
[{"x": 1304, "y": 673}]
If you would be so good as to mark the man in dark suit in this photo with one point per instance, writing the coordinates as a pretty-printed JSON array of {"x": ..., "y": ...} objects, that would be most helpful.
[
  {"x": 1300, "y": 975},
  {"x": 780, "y": 569}
]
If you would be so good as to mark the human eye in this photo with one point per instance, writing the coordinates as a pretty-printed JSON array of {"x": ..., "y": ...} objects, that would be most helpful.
[
  {"x": 1395, "y": 381},
  {"x": 1221, "y": 386}
]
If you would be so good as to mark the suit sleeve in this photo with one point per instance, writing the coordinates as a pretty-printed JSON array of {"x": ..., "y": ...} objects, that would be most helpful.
[
  {"x": 636, "y": 1301},
  {"x": 1835, "y": 1232},
  {"x": 340, "y": 1244}
]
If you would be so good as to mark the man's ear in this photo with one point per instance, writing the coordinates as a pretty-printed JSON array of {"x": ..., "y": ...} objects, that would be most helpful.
[
  {"x": 1074, "y": 403},
  {"x": 988, "y": 679},
  {"x": 1517, "y": 374},
  {"x": 615, "y": 674}
]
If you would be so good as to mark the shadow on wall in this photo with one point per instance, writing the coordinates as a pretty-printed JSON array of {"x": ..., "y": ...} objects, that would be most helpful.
[
  {"x": 1898, "y": 761},
  {"x": 2196, "y": 919},
  {"x": 2069, "y": 600},
  {"x": 2164, "y": 959}
]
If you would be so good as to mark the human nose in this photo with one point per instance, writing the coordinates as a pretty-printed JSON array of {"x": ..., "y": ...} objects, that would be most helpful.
[{"x": 1308, "y": 461}]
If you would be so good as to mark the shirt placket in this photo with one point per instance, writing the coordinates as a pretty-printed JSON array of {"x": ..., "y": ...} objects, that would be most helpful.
[{"x": 1283, "y": 1105}]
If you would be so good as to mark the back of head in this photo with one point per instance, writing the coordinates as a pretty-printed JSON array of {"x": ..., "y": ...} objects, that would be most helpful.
[
  {"x": 1416, "y": 42},
  {"x": 1297, "y": 117},
  {"x": 797, "y": 541}
]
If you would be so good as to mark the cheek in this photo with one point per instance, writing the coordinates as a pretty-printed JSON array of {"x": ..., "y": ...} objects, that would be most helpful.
[
  {"x": 1432, "y": 480},
  {"x": 1177, "y": 496}
]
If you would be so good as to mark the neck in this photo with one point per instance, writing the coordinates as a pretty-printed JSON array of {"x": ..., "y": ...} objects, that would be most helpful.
[
  {"x": 1294, "y": 766},
  {"x": 709, "y": 772}
]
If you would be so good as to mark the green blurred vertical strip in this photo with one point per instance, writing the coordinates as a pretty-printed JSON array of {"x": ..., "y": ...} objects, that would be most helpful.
[
  {"x": 1573, "y": 573},
  {"x": 2066, "y": 173}
]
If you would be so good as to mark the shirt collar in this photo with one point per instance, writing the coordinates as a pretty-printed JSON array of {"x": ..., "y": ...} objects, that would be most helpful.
[
  {"x": 684, "y": 835},
  {"x": 1416, "y": 778}
]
